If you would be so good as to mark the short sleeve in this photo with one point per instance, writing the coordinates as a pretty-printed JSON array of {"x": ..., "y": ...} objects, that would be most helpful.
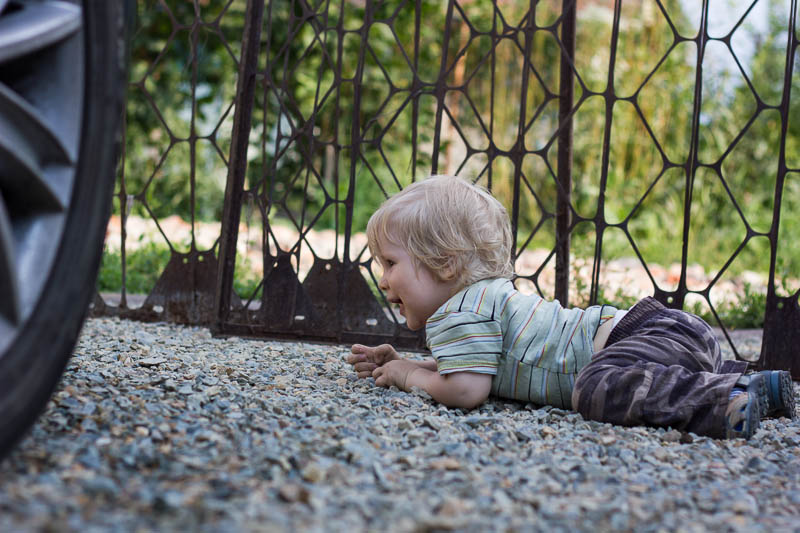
[{"x": 465, "y": 342}]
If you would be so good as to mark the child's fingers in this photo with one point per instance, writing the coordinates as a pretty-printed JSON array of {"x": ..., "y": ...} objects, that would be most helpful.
[
  {"x": 365, "y": 367},
  {"x": 359, "y": 352},
  {"x": 355, "y": 358},
  {"x": 375, "y": 354},
  {"x": 380, "y": 376},
  {"x": 382, "y": 352}
]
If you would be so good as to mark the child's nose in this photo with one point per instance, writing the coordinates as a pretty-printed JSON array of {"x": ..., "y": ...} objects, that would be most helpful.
[{"x": 383, "y": 284}]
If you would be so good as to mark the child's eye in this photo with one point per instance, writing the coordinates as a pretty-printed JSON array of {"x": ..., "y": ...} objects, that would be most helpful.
[{"x": 389, "y": 263}]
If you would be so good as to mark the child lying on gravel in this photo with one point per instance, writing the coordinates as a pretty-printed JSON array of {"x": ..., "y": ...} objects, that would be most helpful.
[{"x": 445, "y": 248}]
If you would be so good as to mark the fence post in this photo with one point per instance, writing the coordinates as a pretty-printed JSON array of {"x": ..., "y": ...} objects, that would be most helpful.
[
  {"x": 237, "y": 165},
  {"x": 781, "y": 334},
  {"x": 565, "y": 102}
]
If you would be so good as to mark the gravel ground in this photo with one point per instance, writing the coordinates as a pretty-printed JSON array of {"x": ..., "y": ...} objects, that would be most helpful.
[{"x": 158, "y": 427}]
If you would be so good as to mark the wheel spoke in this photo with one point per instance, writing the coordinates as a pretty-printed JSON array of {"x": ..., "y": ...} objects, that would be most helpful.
[
  {"x": 33, "y": 127},
  {"x": 41, "y": 107},
  {"x": 23, "y": 182},
  {"x": 27, "y": 147},
  {"x": 9, "y": 288},
  {"x": 36, "y": 27}
]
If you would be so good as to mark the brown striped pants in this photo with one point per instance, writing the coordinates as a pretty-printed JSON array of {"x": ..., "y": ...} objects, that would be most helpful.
[{"x": 660, "y": 367}]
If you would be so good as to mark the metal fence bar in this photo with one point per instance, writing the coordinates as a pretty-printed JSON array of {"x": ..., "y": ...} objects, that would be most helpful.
[
  {"x": 237, "y": 167},
  {"x": 782, "y": 315},
  {"x": 566, "y": 101},
  {"x": 676, "y": 299},
  {"x": 318, "y": 95},
  {"x": 441, "y": 83}
]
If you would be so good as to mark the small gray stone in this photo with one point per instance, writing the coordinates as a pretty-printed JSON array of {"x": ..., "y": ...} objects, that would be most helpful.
[
  {"x": 102, "y": 486},
  {"x": 671, "y": 436},
  {"x": 192, "y": 445},
  {"x": 152, "y": 361},
  {"x": 145, "y": 338}
]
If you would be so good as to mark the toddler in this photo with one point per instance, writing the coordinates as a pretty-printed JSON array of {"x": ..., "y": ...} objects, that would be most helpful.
[{"x": 445, "y": 248}]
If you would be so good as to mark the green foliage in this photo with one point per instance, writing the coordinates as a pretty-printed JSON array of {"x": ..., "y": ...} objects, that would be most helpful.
[
  {"x": 303, "y": 168},
  {"x": 178, "y": 134},
  {"x": 246, "y": 279},
  {"x": 746, "y": 311},
  {"x": 145, "y": 263}
]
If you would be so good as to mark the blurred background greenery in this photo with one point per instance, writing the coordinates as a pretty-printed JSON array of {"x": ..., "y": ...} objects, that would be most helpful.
[{"x": 302, "y": 158}]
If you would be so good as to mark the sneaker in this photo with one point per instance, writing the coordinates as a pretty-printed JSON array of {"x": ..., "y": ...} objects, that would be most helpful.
[
  {"x": 742, "y": 417},
  {"x": 756, "y": 385},
  {"x": 780, "y": 394}
]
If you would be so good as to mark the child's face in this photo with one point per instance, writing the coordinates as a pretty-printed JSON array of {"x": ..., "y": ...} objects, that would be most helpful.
[{"x": 418, "y": 292}]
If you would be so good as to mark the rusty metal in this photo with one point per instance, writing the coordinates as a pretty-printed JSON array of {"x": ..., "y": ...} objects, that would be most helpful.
[
  {"x": 237, "y": 165},
  {"x": 186, "y": 289},
  {"x": 331, "y": 142},
  {"x": 781, "y": 339},
  {"x": 566, "y": 103}
]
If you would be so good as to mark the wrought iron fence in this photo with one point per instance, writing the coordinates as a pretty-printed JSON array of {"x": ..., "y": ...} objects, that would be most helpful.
[{"x": 621, "y": 135}]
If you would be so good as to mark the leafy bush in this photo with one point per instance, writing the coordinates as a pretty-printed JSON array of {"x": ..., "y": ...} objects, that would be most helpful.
[
  {"x": 145, "y": 263},
  {"x": 144, "y": 266},
  {"x": 745, "y": 312}
]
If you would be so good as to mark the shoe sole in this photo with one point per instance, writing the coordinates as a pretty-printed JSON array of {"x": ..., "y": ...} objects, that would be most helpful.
[
  {"x": 780, "y": 394},
  {"x": 758, "y": 386}
]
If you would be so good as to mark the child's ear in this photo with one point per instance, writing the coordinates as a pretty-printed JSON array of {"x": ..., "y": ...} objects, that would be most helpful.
[{"x": 449, "y": 273}]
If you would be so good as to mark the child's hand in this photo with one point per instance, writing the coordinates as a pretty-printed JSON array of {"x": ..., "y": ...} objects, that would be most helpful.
[
  {"x": 366, "y": 359},
  {"x": 394, "y": 373}
]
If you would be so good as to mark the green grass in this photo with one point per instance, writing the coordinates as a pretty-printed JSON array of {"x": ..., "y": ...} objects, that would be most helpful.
[
  {"x": 145, "y": 264},
  {"x": 746, "y": 312}
]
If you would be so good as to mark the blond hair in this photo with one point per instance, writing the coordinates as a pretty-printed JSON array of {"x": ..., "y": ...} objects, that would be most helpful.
[{"x": 449, "y": 225}]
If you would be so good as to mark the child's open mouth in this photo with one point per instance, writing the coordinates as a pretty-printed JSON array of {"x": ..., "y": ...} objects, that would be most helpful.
[{"x": 399, "y": 303}]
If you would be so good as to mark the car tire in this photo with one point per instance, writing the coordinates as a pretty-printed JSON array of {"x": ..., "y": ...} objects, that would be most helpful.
[{"x": 51, "y": 241}]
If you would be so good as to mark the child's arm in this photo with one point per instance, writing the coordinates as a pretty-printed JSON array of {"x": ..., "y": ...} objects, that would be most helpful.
[
  {"x": 365, "y": 359},
  {"x": 459, "y": 389}
]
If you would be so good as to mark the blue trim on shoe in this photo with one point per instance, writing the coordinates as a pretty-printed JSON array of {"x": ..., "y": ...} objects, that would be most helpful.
[
  {"x": 742, "y": 416},
  {"x": 756, "y": 385}
]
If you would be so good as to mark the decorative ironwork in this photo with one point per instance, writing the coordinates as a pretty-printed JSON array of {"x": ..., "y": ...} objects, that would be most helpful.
[{"x": 320, "y": 113}]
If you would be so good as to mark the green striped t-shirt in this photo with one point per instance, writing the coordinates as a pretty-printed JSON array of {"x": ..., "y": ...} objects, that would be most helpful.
[{"x": 534, "y": 348}]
